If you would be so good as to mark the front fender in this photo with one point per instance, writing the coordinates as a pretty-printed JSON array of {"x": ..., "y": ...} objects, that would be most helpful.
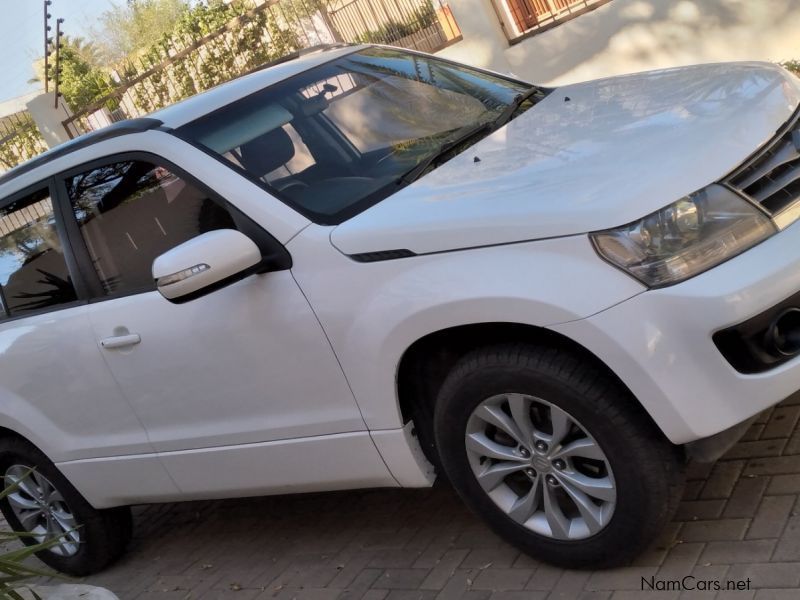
[{"x": 373, "y": 312}]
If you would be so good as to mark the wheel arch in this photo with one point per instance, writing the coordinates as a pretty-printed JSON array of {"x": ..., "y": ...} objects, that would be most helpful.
[
  {"x": 425, "y": 364},
  {"x": 13, "y": 428},
  {"x": 6, "y": 433}
]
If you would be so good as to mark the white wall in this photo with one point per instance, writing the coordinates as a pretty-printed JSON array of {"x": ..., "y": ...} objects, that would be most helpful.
[
  {"x": 49, "y": 119},
  {"x": 16, "y": 105},
  {"x": 624, "y": 36}
]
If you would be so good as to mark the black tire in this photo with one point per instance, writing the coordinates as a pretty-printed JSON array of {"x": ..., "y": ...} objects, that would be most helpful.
[
  {"x": 104, "y": 533},
  {"x": 648, "y": 471}
]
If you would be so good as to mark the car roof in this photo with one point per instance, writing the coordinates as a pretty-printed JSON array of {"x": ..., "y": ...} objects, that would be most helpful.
[{"x": 194, "y": 107}]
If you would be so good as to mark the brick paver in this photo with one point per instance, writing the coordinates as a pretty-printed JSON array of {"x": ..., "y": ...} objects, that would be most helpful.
[{"x": 740, "y": 519}]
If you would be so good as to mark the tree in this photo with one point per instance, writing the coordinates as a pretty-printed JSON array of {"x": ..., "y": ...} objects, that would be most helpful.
[
  {"x": 129, "y": 29},
  {"x": 87, "y": 52},
  {"x": 83, "y": 78}
]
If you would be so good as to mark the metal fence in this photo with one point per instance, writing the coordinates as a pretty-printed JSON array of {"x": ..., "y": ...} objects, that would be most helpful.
[
  {"x": 420, "y": 25},
  {"x": 266, "y": 31},
  {"x": 522, "y": 18},
  {"x": 19, "y": 140}
]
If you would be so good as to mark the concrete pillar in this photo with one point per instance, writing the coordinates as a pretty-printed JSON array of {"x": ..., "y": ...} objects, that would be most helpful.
[
  {"x": 49, "y": 119},
  {"x": 484, "y": 42}
]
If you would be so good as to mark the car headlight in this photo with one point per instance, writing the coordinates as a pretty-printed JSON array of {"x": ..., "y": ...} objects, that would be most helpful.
[{"x": 687, "y": 237}]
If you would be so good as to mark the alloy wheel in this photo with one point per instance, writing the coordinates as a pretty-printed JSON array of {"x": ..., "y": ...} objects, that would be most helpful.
[
  {"x": 540, "y": 466},
  {"x": 42, "y": 510}
]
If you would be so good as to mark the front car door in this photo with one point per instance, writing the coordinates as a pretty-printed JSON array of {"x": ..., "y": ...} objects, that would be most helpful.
[{"x": 239, "y": 391}]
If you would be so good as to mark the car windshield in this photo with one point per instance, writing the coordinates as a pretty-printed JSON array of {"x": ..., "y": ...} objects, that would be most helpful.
[{"x": 340, "y": 137}]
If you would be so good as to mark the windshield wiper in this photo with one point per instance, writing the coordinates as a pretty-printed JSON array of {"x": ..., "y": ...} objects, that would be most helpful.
[
  {"x": 484, "y": 128},
  {"x": 421, "y": 167},
  {"x": 515, "y": 105}
]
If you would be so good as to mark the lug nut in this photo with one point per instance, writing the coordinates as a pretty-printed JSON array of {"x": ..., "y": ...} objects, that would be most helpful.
[
  {"x": 559, "y": 464},
  {"x": 552, "y": 480},
  {"x": 524, "y": 452},
  {"x": 541, "y": 446},
  {"x": 530, "y": 472}
]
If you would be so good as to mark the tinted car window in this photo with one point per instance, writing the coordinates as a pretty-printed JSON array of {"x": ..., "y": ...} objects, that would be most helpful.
[
  {"x": 130, "y": 212},
  {"x": 33, "y": 271},
  {"x": 339, "y": 137}
]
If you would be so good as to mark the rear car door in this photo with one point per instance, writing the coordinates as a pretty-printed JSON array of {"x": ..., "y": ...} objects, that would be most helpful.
[
  {"x": 239, "y": 390},
  {"x": 55, "y": 388}
]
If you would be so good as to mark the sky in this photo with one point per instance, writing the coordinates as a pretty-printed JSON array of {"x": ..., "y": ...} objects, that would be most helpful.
[{"x": 22, "y": 36}]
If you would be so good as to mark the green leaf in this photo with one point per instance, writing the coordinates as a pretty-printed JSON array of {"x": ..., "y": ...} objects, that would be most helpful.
[
  {"x": 10, "y": 593},
  {"x": 15, "y": 486}
]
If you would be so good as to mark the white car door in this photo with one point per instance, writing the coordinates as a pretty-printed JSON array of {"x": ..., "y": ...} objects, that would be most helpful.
[
  {"x": 239, "y": 390},
  {"x": 54, "y": 386}
]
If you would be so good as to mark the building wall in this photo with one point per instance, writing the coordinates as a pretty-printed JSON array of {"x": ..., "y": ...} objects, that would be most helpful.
[
  {"x": 17, "y": 105},
  {"x": 624, "y": 36}
]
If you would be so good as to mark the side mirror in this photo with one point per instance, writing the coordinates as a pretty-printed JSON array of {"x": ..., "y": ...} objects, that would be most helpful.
[{"x": 204, "y": 264}]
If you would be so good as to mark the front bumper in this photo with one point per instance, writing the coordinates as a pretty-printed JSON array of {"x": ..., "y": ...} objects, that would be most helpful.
[
  {"x": 659, "y": 343},
  {"x": 711, "y": 449}
]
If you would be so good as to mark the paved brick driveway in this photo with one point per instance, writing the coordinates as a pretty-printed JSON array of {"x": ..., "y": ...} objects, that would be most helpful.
[{"x": 740, "y": 519}]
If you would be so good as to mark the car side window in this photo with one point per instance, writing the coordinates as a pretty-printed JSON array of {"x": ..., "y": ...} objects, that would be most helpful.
[
  {"x": 132, "y": 211},
  {"x": 33, "y": 271}
]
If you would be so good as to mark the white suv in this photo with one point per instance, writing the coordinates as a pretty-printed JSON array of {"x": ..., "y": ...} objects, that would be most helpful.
[{"x": 366, "y": 265}]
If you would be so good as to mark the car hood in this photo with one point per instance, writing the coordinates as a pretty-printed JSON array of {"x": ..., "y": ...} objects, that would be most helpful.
[{"x": 590, "y": 156}]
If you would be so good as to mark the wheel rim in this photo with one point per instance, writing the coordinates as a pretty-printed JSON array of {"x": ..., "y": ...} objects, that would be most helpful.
[
  {"x": 42, "y": 510},
  {"x": 540, "y": 466}
]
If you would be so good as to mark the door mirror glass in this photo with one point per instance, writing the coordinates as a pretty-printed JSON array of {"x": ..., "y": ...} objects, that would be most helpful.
[{"x": 204, "y": 264}]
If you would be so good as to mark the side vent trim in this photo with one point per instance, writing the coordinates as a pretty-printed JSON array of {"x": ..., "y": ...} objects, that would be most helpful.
[{"x": 381, "y": 255}]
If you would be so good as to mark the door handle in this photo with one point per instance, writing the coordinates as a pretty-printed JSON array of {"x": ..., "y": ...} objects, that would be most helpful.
[{"x": 121, "y": 341}]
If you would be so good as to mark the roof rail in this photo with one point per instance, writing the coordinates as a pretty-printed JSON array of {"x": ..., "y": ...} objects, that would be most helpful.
[
  {"x": 88, "y": 139},
  {"x": 325, "y": 47}
]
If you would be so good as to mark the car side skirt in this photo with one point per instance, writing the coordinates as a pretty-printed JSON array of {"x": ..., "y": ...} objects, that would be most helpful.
[{"x": 312, "y": 464}]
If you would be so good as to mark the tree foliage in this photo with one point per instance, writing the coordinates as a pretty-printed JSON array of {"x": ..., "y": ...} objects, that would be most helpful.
[
  {"x": 126, "y": 30},
  {"x": 25, "y": 143},
  {"x": 86, "y": 51},
  {"x": 83, "y": 78},
  {"x": 199, "y": 52},
  {"x": 394, "y": 30}
]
